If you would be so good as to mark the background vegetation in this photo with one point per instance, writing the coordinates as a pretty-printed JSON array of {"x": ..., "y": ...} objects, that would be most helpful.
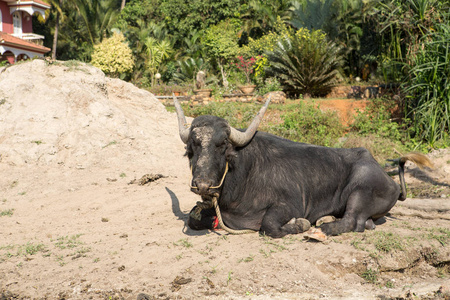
[{"x": 401, "y": 42}]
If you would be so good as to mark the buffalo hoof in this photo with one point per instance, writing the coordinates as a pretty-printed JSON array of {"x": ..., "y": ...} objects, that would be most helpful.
[
  {"x": 369, "y": 224},
  {"x": 326, "y": 219},
  {"x": 295, "y": 226},
  {"x": 303, "y": 224}
]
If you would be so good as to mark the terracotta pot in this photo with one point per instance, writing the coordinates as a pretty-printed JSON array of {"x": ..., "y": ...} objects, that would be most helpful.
[
  {"x": 247, "y": 89},
  {"x": 203, "y": 92}
]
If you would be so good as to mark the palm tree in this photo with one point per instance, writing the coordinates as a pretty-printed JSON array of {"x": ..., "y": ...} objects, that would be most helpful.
[
  {"x": 156, "y": 52},
  {"x": 305, "y": 63},
  {"x": 58, "y": 8},
  {"x": 97, "y": 16}
]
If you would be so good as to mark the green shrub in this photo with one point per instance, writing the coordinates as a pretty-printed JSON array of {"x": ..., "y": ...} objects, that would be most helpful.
[
  {"x": 376, "y": 120},
  {"x": 113, "y": 56},
  {"x": 304, "y": 122}
]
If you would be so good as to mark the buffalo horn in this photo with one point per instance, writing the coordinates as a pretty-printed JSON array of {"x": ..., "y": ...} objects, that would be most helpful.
[
  {"x": 239, "y": 138},
  {"x": 184, "y": 132}
]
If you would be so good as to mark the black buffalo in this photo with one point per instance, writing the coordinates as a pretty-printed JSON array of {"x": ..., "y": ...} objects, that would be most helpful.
[{"x": 273, "y": 183}]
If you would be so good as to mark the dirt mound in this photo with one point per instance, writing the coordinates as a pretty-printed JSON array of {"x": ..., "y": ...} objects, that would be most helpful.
[{"x": 71, "y": 114}]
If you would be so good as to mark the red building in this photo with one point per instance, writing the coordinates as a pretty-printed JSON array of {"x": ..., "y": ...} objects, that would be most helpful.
[{"x": 17, "y": 40}]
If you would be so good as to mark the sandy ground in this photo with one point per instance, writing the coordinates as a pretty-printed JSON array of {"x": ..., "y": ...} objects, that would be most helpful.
[{"x": 75, "y": 223}]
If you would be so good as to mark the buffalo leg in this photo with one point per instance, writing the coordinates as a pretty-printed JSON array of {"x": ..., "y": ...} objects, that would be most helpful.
[
  {"x": 355, "y": 217},
  {"x": 272, "y": 226}
]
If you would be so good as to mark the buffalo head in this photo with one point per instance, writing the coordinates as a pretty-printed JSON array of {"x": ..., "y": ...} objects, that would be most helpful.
[{"x": 210, "y": 145}]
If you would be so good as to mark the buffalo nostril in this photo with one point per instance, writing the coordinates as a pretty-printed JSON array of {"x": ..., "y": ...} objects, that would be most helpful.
[{"x": 203, "y": 186}]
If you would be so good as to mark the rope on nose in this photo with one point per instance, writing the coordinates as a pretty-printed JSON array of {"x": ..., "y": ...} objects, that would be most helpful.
[{"x": 221, "y": 181}]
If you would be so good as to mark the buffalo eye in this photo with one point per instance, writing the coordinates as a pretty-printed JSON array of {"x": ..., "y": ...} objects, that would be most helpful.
[{"x": 221, "y": 143}]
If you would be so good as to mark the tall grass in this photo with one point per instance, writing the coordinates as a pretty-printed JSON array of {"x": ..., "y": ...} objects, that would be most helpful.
[{"x": 428, "y": 88}]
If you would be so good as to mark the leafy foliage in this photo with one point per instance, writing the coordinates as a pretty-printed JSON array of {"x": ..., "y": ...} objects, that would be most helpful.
[
  {"x": 221, "y": 41},
  {"x": 183, "y": 17},
  {"x": 155, "y": 54},
  {"x": 305, "y": 62},
  {"x": 428, "y": 87},
  {"x": 113, "y": 56},
  {"x": 376, "y": 120},
  {"x": 187, "y": 69},
  {"x": 305, "y": 122}
]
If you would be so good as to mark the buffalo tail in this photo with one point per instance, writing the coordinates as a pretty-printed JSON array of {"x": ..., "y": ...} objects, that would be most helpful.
[{"x": 419, "y": 160}]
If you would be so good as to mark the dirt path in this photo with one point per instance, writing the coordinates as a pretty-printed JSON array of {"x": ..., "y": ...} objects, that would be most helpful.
[{"x": 75, "y": 227}]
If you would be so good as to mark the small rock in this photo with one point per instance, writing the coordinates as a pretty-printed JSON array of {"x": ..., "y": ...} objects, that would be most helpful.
[{"x": 315, "y": 234}]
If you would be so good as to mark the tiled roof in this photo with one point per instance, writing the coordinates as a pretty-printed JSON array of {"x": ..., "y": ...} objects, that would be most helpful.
[
  {"x": 12, "y": 41},
  {"x": 41, "y": 2},
  {"x": 15, "y": 2}
]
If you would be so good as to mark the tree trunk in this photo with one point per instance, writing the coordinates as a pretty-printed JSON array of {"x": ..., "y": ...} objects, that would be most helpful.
[
  {"x": 123, "y": 4},
  {"x": 55, "y": 37}
]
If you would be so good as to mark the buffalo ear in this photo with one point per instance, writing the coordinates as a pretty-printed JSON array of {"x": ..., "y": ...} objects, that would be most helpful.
[{"x": 230, "y": 154}]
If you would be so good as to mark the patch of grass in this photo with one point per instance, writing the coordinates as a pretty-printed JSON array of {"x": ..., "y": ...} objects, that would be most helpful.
[
  {"x": 213, "y": 269},
  {"x": 229, "y": 277},
  {"x": 265, "y": 253},
  {"x": 30, "y": 249},
  {"x": 389, "y": 284},
  {"x": 60, "y": 260},
  {"x": 269, "y": 241},
  {"x": 66, "y": 242},
  {"x": 122, "y": 175},
  {"x": 247, "y": 259},
  {"x": 7, "y": 212},
  {"x": 370, "y": 275},
  {"x": 184, "y": 243},
  {"x": 109, "y": 144},
  {"x": 382, "y": 241},
  {"x": 387, "y": 241},
  {"x": 442, "y": 235},
  {"x": 357, "y": 243},
  {"x": 37, "y": 142}
]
